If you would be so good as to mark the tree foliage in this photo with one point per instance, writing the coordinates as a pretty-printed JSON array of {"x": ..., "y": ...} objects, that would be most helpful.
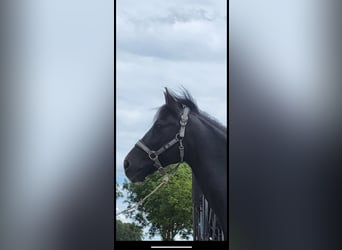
[
  {"x": 118, "y": 193},
  {"x": 167, "y": 212},
  {"x": 128, "y": 231}
]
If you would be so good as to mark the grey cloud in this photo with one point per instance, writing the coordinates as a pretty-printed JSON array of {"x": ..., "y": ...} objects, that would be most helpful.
[
  {"x": 183, "y": 15},
  {"x": 192, "y": 33}
]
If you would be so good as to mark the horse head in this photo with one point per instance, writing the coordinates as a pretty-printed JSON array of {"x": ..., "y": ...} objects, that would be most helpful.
[{"x": 141, "y": 160}]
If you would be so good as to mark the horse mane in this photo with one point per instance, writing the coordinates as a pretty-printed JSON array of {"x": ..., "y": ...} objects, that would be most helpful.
[{"x": 184, "y": 98}]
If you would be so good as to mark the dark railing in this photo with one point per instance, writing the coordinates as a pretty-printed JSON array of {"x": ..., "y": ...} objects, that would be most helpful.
[{"x": 205, "y": 224}]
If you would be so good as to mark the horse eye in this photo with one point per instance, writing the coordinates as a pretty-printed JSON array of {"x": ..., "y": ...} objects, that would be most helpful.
[{"x": 158, "y": 126}]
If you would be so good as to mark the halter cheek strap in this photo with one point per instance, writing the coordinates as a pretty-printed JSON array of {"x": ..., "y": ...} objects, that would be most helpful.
[{"x": 153, "y": 155}]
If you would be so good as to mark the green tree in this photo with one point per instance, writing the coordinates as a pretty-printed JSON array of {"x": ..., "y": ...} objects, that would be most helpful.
[
  {"x": 168, "y": 211},
  {"x": 128, "y": 231}
]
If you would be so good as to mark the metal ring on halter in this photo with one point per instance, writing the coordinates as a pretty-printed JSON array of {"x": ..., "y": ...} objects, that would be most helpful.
[
  {"x": 183, "y": 123},
  {"x": 178, "y": 137},
  {"x": 152, "y": 154}
]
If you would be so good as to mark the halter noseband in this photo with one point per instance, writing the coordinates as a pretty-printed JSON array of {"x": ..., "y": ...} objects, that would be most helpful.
[{"x": 153, "y": 155}]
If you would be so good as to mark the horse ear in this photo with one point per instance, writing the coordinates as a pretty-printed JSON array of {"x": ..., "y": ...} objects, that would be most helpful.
[{"x": 169, "y": 99}]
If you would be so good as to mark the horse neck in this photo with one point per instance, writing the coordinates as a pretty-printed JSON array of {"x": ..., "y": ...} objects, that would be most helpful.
[
  {"x": 206, "y": 153},
  {"x": 206, "y": 148}
]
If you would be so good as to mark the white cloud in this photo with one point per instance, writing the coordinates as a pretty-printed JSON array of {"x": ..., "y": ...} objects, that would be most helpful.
[{"x": 184, "y": 32}]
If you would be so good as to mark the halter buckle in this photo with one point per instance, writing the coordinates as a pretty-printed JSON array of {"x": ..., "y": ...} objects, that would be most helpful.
[
  {"x": 152, "y": 155},
  {"x": 181, "y": 146},
  {"x": 179, "y": 137}
]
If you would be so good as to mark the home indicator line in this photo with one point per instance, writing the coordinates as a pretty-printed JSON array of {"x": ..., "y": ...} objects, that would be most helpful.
[{"x": 171, "y": 246}]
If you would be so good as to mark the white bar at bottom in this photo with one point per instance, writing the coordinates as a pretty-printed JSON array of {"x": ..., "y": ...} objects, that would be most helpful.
[{"x": 171, "y": 246}]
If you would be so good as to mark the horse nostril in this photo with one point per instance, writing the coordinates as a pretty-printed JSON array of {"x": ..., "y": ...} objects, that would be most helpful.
[{"x": 126, "y": 164}]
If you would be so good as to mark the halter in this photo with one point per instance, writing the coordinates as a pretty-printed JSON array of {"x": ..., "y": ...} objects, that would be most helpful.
[{"x": 153, "y": 155}]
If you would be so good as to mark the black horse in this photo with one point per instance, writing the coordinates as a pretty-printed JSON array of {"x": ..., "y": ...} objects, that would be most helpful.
[{"x": 202, "y": 141}]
